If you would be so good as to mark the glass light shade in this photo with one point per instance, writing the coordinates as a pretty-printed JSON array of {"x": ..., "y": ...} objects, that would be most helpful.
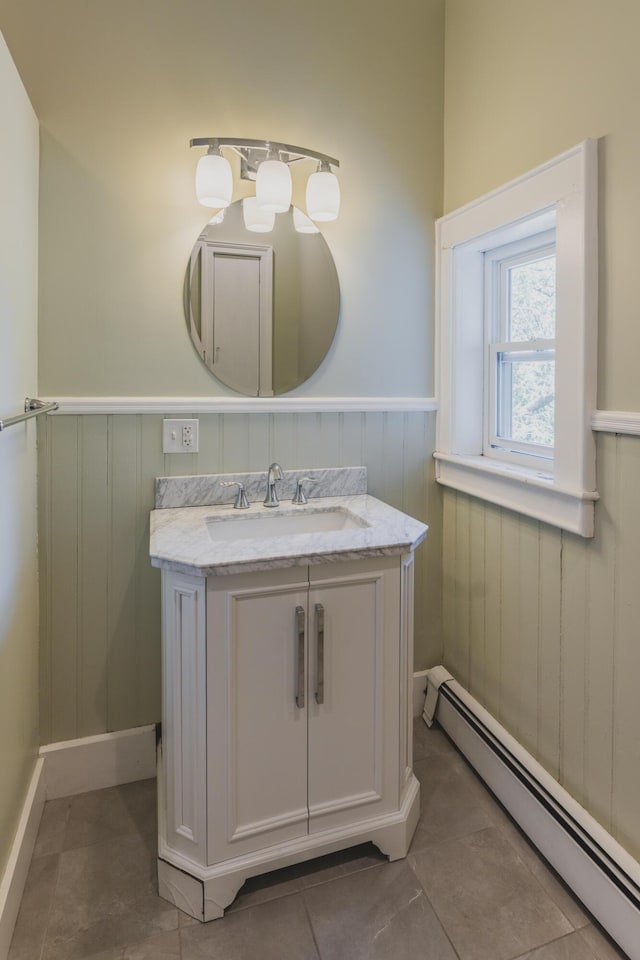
[
  {"x": 256, "y": 218},
  {"x": 273, "y": 186},
  {"x": 302, "y": 223},
  {"x": 214, "y": 181},
  {"x": 218, "y": 217},
  {"x": 323, "y": 196}
]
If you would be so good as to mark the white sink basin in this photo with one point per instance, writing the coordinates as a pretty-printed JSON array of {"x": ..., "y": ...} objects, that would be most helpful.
[{"x": 275, "y": 524}]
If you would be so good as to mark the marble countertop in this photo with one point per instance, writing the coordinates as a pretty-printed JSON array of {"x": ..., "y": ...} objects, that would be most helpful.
[{"x": 180, "y": 539}]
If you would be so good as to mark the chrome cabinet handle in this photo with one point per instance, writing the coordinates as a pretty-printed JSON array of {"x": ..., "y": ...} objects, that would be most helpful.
[
  {"x": 319, "y": 653},
  {"x": 300, "y": 667}
]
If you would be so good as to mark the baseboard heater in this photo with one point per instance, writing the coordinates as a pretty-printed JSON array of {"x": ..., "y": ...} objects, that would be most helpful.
[{"x": 597, "y": 869}]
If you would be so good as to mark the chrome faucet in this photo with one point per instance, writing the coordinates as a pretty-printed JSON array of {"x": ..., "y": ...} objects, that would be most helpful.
[{"x": 273, "y": 476}]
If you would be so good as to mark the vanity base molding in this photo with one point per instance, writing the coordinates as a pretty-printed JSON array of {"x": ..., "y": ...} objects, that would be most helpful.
[{"x": 205, "y": 892}]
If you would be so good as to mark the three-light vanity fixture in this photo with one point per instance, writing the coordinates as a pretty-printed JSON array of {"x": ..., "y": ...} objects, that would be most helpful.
[{"x": 266, "y": 162}]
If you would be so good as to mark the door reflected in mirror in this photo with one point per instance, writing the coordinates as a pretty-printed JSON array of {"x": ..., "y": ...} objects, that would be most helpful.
[{"x": 262, "y": 309}]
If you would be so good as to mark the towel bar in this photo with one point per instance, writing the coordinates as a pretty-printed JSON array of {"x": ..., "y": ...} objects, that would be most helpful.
[{"x": 32, "y": 408}]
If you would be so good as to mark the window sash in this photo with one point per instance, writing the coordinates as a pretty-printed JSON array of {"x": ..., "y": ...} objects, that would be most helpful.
[
  {"x": 500, "y": 397},
  {"x": 498, "y": 261},
  {"x": 539, "y": 249}
]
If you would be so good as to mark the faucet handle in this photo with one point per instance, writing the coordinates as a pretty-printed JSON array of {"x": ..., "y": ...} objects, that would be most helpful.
[
  {"x": 299, "y": 494},
  {"x": 241, "y": 502}
]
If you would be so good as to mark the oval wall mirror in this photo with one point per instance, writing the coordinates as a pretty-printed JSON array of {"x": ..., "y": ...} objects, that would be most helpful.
[{"x": 262, "y": 308}]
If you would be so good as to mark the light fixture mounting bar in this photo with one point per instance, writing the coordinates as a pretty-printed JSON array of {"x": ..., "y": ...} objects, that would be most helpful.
[{"x": 241, "y": 144}]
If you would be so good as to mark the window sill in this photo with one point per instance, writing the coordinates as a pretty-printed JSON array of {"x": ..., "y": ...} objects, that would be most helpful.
[{"x": 525, "y": 491}]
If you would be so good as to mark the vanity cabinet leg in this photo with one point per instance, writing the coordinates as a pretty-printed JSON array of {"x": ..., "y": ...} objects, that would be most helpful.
[
  {"x": 219, "y": 893},
  {"x": 395, "y": 839},
  {"x": 201, "y": 899},
  {"x": 181, "y": 889}
]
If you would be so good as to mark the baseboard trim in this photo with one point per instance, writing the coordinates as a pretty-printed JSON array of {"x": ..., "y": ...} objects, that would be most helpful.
[
  {"x": 15, "y": 873},
  {"x": 105, "y": 760},
  {"x": 419, "y": 686},
  {"x": 599, "y": 871}
]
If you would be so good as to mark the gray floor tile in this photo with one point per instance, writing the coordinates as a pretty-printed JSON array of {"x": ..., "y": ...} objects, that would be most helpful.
[
  {"x": 140, "y": 799},
  {"x": 546, "y": 877},
  {"x": 281, "y": 883},
  {"x": 429, "y": 741},
  {"x": 453, "y": 803},
  {"x": 266, "y": 887},
  {"x": 601, "y": 946},
  {"x": 106, "y": 898},
  {"x": 375, "y": 915},
  {"x": 53, "y": 826},
  {"x": 33, "y": 916},
  {"x": 567, "y": 948},
  {"x": 492, "y": 893},
  {"x": 164, "y": 946},
  {"x": 486, "y": 898},
  {"x": 113, "y": 812},
  {"x": 341, "y": 864},
  {"x": 271, "y": 931},
  {"x": 184, "y": 920}
]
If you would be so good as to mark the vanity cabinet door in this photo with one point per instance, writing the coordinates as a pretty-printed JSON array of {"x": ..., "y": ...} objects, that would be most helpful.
[
  {"x": 354, "y": 630},
  {"x": 256, "y": 731}
]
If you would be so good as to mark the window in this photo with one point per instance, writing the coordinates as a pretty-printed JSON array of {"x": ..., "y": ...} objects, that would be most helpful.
[
  {"x": 520, "y": 325},
  {"x": 516, "y": 314}
]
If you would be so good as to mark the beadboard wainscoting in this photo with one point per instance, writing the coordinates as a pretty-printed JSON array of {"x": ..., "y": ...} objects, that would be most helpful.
[
  {"x": 100, "y": 597},
  {"x": 542, "y": 627}
]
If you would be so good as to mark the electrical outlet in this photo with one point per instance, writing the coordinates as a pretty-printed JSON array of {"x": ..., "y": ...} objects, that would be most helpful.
[{"x": 180, "y": 436}]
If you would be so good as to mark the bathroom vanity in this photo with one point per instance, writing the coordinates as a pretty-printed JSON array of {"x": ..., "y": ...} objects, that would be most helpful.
[{"x": 287, "y": 664}]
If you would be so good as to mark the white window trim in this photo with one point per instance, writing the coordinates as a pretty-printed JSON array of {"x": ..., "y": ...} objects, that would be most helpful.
[{"x": 561, "y": 192}]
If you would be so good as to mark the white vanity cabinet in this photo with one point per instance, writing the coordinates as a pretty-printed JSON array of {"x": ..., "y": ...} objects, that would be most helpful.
[{"x": 286, "y": 727}]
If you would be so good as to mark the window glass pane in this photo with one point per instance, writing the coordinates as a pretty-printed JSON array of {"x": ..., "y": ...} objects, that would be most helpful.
[
  {"x": 532, "y": 300},
  {"x": 526, "y": 399}
]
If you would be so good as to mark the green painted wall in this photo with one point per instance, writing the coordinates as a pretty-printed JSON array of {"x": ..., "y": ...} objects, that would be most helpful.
[
  {"x": 100, "y": 597},
  {"x": 121, "y": 87},
  {"x": 543, "y": 626},
  {"x": 18, "y": 377}
]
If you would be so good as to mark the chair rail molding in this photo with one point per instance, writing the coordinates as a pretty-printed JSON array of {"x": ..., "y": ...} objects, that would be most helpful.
[
  {"x": 616, "y": 421},
  {"x": 110, "y": 405}
]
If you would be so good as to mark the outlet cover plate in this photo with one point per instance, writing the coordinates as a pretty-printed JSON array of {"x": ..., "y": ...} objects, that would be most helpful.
[{"x": 180, "y": 436}]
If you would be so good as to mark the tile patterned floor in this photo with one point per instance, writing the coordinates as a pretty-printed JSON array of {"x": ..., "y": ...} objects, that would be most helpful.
[{"x": 471, "y": 889}]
